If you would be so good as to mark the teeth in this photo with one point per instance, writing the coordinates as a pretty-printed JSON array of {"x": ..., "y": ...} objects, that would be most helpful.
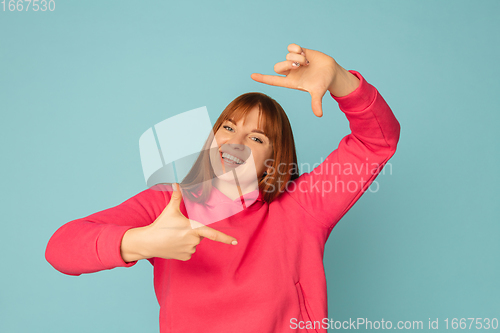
[{"x": 232, "y": 158}]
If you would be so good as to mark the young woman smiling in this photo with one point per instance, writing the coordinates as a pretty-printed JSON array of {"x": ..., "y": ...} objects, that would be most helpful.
[{"x": 261, "y": 270}]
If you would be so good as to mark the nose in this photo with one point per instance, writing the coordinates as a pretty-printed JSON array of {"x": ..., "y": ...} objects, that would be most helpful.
[
  {"x": 235, "y": 146},
  {"x": 235, "y": 143}
]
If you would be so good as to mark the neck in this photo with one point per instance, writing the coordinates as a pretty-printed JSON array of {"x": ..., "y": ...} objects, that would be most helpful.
[{"x": 231, "y": 190}]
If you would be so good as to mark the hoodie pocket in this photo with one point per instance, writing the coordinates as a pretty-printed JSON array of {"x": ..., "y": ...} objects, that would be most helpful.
[{"x": 306, "y": 315}]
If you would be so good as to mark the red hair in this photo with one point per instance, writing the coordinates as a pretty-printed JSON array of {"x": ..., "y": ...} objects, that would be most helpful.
[{"x": 275, "y": 124}]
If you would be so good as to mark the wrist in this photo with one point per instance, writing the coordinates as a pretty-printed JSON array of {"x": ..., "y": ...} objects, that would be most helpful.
[
  {"x": 132, "y": 246},
  {"x": 343, "y": 83}
]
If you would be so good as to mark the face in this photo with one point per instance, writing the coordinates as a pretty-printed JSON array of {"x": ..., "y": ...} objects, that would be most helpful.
[{"x": 240, "y": 142}]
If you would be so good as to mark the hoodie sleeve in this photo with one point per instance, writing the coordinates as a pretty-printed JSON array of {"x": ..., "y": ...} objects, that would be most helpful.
[
  {"x": 332, "y": 188},
  {"x": 92, "y": 243}
]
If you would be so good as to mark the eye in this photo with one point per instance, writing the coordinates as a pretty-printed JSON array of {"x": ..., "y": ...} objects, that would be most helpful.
[
  {"x": 228, "y": 128},
  {"x": 258, "y": 140}
]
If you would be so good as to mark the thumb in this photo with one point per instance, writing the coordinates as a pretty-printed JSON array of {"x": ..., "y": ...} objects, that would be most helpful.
[
  {"x": 316, "y": 103},
  {"x": 175, "y": 198},
  {"x": 206, "y": 232}
]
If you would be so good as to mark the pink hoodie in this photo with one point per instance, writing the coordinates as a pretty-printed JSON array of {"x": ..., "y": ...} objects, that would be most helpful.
[{"x": 274, "y": 279}]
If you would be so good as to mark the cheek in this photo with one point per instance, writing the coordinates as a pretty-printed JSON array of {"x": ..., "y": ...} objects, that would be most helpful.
[
  {"x": 270, "y": 154},
  {"x": 219, "y": 138},
  {"x": 217, "y": 141},
  {"x": 263, "y": 155}
]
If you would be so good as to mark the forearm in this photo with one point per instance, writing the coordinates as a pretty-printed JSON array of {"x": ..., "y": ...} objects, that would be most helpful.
[
  {"x": 348, "y": 171},
  {"x": 371, "y": 120},
  {"x": 132, "y": 246},
  {"x": 81, "y": 246},
  {"x": 344, "y": 83},
  {"x": 93, "y": 243}
]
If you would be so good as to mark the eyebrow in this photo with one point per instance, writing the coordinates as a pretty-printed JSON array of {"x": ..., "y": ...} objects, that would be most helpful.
[{"x": 254, "y": 130}]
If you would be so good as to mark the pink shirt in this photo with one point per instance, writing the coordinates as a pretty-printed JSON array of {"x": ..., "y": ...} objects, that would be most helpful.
[{"x": 274, "y": 279}]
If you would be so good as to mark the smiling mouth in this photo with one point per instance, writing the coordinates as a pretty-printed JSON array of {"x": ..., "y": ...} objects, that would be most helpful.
[{"x": 231, "y": 160}]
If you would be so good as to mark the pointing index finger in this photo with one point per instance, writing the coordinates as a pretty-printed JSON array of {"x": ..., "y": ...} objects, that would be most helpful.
[
  {"x": 272, "y": 80},
  {"x": 206, "y": 232}
]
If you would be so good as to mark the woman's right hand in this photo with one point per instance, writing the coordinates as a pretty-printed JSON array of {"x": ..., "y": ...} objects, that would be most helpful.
[{"x": 170, "y": 236}]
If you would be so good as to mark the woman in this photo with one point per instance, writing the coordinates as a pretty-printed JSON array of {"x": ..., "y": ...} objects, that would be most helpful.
[{"x": 261, "y": 270}]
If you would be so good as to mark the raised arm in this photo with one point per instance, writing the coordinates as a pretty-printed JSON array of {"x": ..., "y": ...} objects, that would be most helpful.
[{"x": 330, "y": 190}]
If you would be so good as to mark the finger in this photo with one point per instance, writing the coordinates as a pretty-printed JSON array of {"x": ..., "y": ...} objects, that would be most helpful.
[
  {"x": 195, "y": 224},
  {"x": 215, "y": 235},
  {"x": 316, "y": 104},
  {"x": 283, "y": 68},
  {"x": 304, "y": 54},
  {"x": 297, "y": 58},
  {"x": 272, "y": 80},
  {"x": 294, "y": 48}
]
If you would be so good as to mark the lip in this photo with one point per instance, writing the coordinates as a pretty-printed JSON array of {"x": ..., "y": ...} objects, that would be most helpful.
[
  {"x": 228, "y": 162},
  {"x": 230, "y": 153}
]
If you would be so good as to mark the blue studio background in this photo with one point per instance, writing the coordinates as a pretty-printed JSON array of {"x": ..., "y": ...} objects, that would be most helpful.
[{"x": 80, "y": 84}]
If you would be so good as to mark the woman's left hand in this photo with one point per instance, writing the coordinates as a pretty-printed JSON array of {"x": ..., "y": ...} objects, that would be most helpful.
[{"x": 311, "y": 71}]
